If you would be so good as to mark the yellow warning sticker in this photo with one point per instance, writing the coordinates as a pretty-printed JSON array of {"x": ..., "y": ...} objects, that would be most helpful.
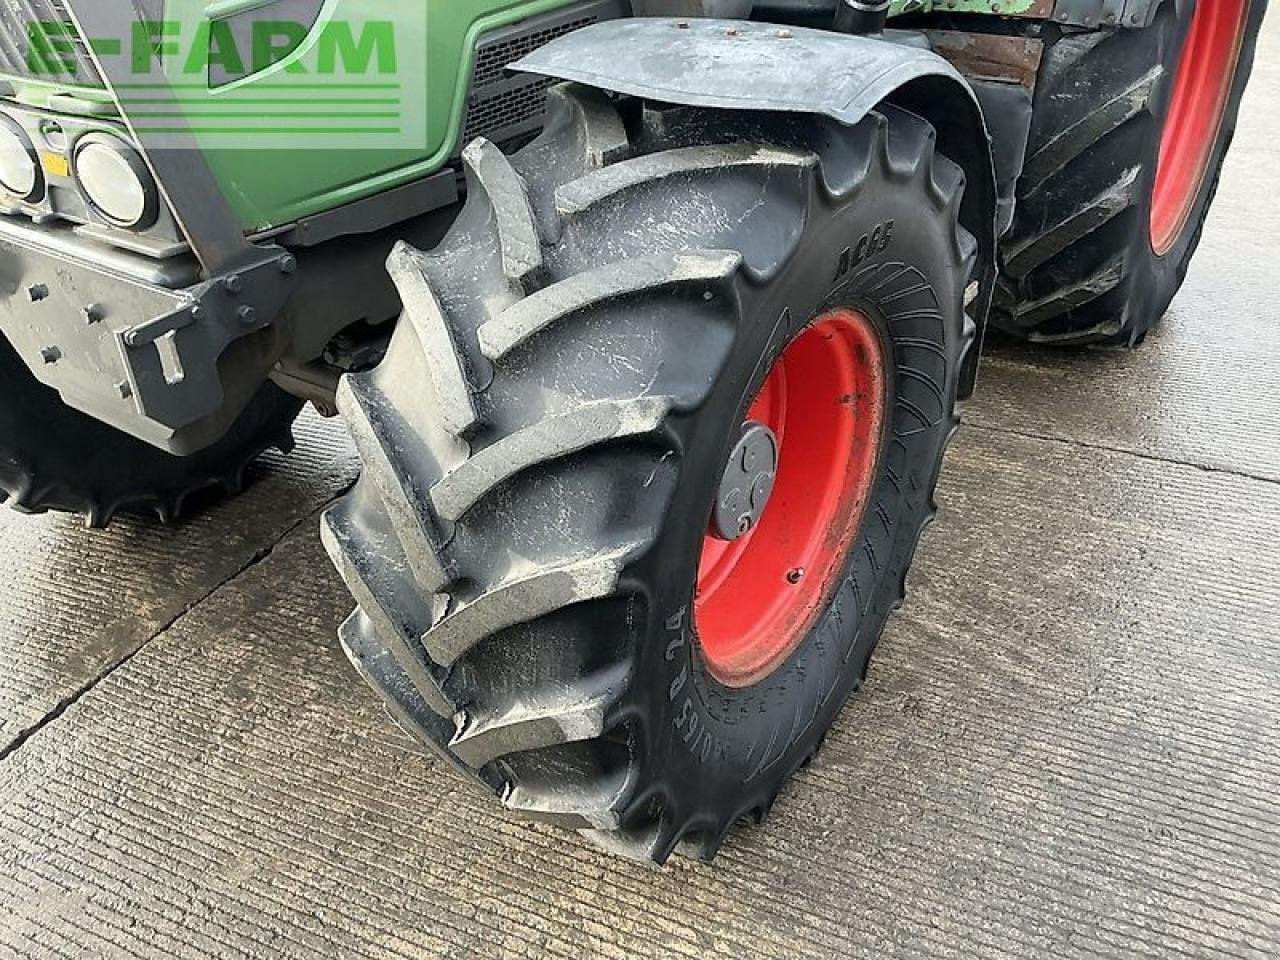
[{"x": 55, "y": 165}]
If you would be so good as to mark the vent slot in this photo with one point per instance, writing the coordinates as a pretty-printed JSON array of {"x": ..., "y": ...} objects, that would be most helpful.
[
  {"x": 64, "y": 59},
  {"x": 507, "y": 107}
]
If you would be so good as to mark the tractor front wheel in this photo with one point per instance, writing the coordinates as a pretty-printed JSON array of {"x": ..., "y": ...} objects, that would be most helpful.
[{"x": 650, "y": 454}]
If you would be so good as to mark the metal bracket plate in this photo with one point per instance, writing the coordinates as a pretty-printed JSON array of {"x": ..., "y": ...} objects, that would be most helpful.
[{"x": 138, "y": 356}]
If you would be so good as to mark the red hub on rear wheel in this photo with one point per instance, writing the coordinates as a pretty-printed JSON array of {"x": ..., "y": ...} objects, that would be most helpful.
[
  {"x": 1201, "y": 93},
  {"x": 758, "y": 595}
]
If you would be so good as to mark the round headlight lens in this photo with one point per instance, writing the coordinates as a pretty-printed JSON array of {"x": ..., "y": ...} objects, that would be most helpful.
[
  {"x": 19, "y": 163},
  {"x": 116, "y": 181}
]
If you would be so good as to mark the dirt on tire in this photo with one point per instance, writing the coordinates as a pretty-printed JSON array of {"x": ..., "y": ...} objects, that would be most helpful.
[{"x": 543, "y": 443}]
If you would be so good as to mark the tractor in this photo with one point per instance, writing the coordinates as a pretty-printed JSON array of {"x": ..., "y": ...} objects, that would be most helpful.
[{"x": 649, "y": 321}]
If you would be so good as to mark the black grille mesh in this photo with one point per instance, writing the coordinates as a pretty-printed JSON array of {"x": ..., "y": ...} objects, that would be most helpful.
[
  {"x": 507, "y": 116},
  {"x": 505, "y": 107},
  {"x": 66, "y": 59},
  {"x": 492, "y": 60}
]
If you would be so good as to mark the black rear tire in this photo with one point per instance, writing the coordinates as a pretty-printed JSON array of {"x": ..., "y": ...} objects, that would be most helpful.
[
  {"x": 54, "y": 458},
  {"x": 1079, "y": 265},
  {"x": 543, "y": 443}
]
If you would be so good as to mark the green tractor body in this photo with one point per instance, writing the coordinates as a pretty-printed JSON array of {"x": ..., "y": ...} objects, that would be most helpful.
[
  {"x": 418, "y": 56},
  {"x": 355, "y": 50},
  {"x": 311, "y": 133}
]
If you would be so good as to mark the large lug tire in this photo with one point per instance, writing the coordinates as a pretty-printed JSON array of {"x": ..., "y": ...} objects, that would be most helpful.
[
  {"x": 1105, "y": 229},
  {"x": 544, "y": 442},
  {"x": 54, "y": 458}
]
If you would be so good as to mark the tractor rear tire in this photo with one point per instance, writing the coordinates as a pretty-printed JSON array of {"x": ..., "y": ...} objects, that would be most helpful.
[
  {"x": 54, "y": 458},
  {"x": 546, "y": 438},
  {"x": 1104, "y": 233}
]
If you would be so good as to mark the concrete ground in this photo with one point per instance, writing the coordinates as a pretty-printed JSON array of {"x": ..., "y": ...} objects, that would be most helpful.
[{"x": 1070, "y": 745}]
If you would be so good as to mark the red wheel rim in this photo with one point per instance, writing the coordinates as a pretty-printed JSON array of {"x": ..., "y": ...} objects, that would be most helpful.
[
  {"x": 1201, "y": 93},
  {"x": 759, "y": 595}
]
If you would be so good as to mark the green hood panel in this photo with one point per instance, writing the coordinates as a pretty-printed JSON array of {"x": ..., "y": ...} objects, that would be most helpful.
[
  {"x": 418, "y": 80},
  {"x": 274, "y": 186}
]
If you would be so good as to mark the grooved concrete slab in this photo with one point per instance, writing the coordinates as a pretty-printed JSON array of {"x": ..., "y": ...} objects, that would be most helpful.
[
  {"x": 1069, "y": 746},
  {"x": 75, "y": 602},
  {"x": 1204, "y": 388}
]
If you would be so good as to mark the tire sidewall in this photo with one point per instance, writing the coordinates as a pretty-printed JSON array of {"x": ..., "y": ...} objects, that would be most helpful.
[{"x": 713, "y": 748}]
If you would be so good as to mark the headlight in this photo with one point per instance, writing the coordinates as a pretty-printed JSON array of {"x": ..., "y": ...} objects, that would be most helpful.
[
  {"x": 20, "y": 173},
  {"x": 115, "y": 181}
]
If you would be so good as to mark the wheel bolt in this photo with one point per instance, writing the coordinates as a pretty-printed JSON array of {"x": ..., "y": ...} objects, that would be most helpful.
[{"x": 795, "y": 576}]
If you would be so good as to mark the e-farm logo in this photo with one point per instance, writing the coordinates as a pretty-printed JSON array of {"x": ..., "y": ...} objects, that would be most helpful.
[{"x": 252, "y": 83}]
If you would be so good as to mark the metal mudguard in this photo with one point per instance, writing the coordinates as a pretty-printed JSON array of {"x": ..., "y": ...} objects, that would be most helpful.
[
  {"x": 745, "y": 65},
  {"x": 738, "y": 65}
]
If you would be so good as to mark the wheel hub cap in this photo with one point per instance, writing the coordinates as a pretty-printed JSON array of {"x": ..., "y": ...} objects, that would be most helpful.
[
  {"x": 747, "y": 483},
  {"x": 792, "y": 499}
]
